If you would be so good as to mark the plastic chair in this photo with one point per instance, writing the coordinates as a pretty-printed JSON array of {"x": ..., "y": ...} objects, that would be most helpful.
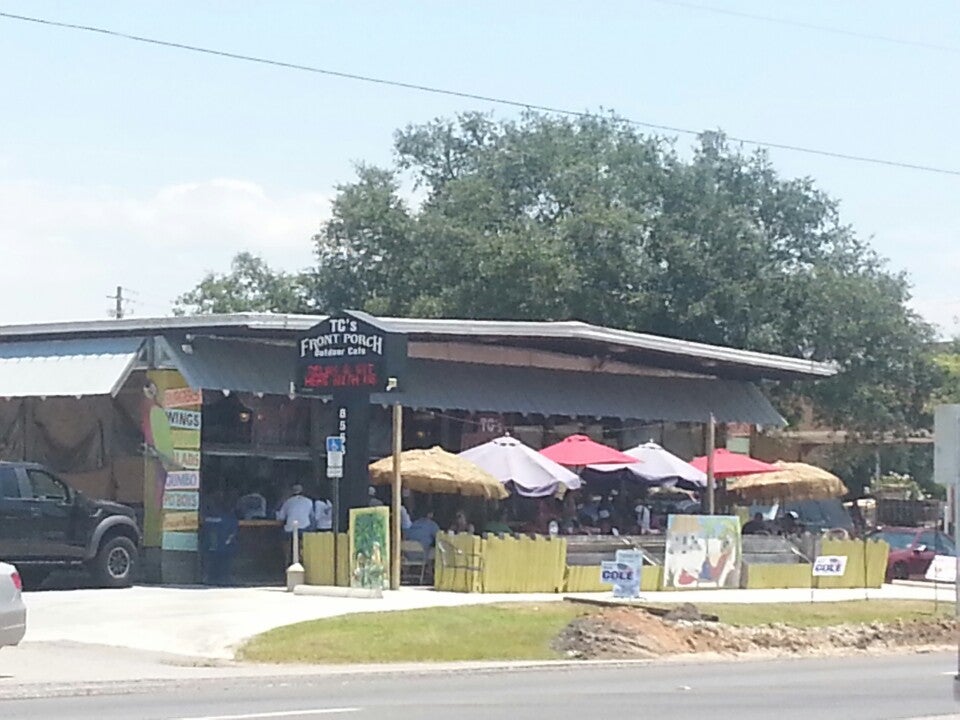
[{"x": 453, "y": 558}]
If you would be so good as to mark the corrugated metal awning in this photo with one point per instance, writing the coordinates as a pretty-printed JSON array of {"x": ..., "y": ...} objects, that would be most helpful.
[
  {"x": 466, "y": 386},
  {"x": 66, "y": 368},
  {"x": 235, "y": 365},
  {"x": 215, "y": 364}
]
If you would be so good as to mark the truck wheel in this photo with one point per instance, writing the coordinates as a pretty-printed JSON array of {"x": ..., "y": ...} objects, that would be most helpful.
[{"x": 116, "y": 563}]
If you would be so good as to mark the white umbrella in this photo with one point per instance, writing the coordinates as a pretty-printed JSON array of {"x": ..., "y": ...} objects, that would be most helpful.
[
  {"x": 657, "y": 465},
  {"x": 533, "y": 474}
]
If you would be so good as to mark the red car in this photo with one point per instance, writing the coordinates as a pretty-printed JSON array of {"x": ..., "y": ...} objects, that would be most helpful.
[{"x": 912, "y": 550}]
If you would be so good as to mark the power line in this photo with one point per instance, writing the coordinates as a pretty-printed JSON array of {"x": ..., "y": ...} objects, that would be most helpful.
[
  {"x": 810, "y": 26},
  {"x": 469, "y": 95}
]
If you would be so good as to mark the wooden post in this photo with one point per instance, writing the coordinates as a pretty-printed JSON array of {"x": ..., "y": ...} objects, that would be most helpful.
[
  {"x": 396, "y": 498},
  {"x": 711, "y": 442}
]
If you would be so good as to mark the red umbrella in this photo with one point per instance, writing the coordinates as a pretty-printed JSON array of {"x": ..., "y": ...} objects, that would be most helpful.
[
  {"x": 730, "y": 464},
  {"x": 579, "y": 450}
]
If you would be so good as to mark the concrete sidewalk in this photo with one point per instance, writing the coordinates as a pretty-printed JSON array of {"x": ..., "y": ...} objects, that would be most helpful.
[{"x": 211, "y": 622}]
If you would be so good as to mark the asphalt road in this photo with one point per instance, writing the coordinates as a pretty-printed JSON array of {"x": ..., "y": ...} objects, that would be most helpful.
[{"x": 907, "y": 686}]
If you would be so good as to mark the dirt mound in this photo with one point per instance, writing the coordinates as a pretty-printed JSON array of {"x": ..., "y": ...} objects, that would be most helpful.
[{"x": 622, "y": 633}]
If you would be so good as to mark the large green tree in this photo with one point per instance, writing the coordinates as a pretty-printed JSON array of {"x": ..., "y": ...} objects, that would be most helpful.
[
  {"x": 587, "y": 218},
  {"x": 250, "y": 286}
]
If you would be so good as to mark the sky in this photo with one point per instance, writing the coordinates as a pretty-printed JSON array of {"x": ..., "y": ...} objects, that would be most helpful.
[{"x": 146, "y": 167}]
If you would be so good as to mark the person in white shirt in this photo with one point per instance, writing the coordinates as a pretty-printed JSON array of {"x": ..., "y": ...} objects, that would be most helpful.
[
  {"x": 405, "y": 521},
  {"x": 295, "y": 513},
  {"x": 323, "y": 515},
  {"x": 643, "y": 518}
]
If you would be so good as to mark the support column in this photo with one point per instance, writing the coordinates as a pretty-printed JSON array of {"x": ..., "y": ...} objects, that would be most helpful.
[
  {"x": 396, "y": 498},
  {"x": 353, "y": 422},
  {"x": 711, "y": 483}
]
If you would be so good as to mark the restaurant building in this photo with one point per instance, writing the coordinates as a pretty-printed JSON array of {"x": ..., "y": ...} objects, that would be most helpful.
[{"x": 164, "y": 413}]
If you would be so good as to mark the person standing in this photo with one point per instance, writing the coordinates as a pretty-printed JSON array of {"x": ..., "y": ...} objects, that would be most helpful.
[
  {"x": 219, "y": 533},
  {"x": 643, "y": 518},
  {"x": 296, "y": 513},
  {"x": 323, "y": 515}
]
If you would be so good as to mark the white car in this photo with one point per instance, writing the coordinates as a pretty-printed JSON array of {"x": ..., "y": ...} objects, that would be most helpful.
[{"x": 13, "y": 613}]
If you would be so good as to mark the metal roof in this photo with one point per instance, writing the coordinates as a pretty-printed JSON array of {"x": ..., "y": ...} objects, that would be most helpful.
[
  {"x": 569, "y": 336},
  {"x": 237, "y": 365},
  {"x": 66, "y": 368},
  {"x": 465, "y": 386}
]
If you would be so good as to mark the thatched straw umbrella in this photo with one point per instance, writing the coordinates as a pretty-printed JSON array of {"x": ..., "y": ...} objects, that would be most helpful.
[
  {"x": 437, "y": 471},
  {"x": 793, "y": 481}
]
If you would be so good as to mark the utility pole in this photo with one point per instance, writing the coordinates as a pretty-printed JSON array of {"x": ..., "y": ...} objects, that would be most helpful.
[{"x": 117, "y": 311}]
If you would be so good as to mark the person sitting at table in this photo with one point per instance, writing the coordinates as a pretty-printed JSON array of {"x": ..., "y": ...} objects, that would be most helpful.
[
  {"x": 461, "y": 524},
  {"x": 424, "y": 530},
  {"x": 757, "y": 526},
  {"x": 498, "y": 525},
  {"x": 605, "y": 524},
  {"x": 589, "y": 512}
]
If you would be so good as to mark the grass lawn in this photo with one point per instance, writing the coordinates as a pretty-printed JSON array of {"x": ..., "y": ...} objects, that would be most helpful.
[
  {"x": 517, "y": 631},
  {"x": 827, "y": 613},
  {"x": 480, "y": 632}
]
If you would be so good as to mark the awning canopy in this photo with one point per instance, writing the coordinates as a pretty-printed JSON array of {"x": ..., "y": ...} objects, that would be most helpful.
[
  {"x": 247, "y": 366},
  {"x": 466, "y": 386},
  {"x": 235, "y": 365},
  {"x": 66, "y": 368}
]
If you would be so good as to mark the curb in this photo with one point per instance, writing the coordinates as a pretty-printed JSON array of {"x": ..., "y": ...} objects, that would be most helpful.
[{"x": 340, "y": 592}]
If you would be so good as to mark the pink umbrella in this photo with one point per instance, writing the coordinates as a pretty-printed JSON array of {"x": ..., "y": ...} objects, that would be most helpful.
[
  {"x": 579, "y": 450},
  {"x": 730, "y": 464}
]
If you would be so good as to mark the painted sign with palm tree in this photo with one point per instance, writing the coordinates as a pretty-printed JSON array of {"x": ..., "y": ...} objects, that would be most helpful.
[{"x": 370, "y": 547}]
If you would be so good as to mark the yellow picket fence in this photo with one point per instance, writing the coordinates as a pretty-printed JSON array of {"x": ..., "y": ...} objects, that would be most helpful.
[
  {"x": 318, "y": 559},
  {"x": 866, "y": 563},
  {"x": 586, "y": 578},
  {"x": 757, "y": 576},
  {"x": 866, "y": 567},
  {"x": 523, "y": 564}
]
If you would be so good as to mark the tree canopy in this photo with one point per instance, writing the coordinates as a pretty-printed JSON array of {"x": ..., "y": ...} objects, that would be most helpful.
[
  {"x": 250, "y": 286},
  {"x": 587, "y": 218}
]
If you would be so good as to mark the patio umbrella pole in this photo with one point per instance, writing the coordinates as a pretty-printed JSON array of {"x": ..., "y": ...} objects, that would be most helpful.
[
  {"x": 711, "y": 481},
  {"x": 396, "y": 498}
]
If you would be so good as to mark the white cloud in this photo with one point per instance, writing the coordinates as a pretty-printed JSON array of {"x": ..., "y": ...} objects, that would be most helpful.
[{"x": 63, "y": 249}]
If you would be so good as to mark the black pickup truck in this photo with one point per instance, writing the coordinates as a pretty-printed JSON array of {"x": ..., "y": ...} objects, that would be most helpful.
[{"x": 46, "y": 525}]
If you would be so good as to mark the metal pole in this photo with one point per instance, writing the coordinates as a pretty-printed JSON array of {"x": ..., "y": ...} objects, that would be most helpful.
[
  {"x": 296, "y": 543},
  {"x": 956, "y": 534},
  {"x": 956, "y": 580},
  {"x": 396, "y": 498},
  {"x": 711, "y": 443},
  {"x": 336, "y": 531}
]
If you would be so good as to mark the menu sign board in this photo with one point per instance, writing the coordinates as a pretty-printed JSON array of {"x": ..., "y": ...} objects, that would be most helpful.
[{"x": 346, "y": 354}]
